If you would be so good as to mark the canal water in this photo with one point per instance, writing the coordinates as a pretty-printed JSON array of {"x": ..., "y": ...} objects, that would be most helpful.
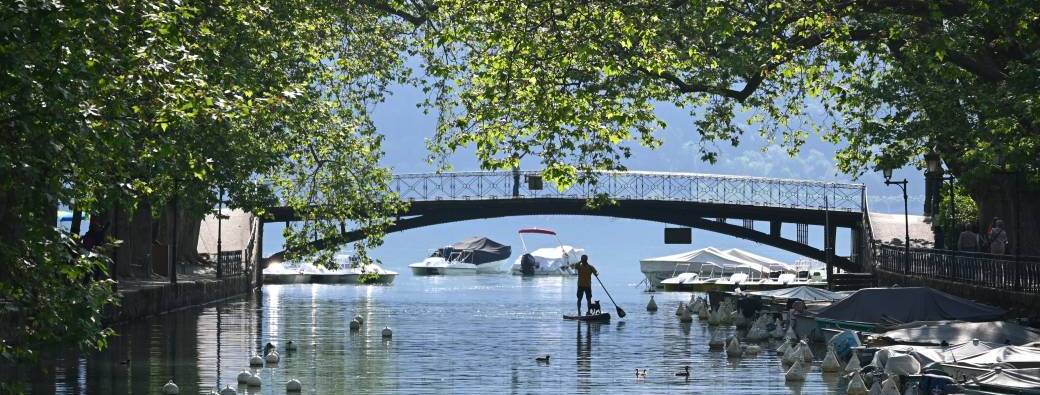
[{"x": 474, "y": 334}]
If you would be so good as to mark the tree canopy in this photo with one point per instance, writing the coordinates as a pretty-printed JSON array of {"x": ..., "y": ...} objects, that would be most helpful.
[{"x": 576, "y": 81}]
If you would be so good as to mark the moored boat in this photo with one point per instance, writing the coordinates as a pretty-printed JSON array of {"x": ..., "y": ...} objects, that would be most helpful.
[
  {"x": 550, "y": 261},
  {"x": 476, "y": 255}
]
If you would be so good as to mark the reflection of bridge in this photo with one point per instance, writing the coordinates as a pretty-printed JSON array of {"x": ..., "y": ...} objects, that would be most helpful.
[{"x": 700, "y": 201}]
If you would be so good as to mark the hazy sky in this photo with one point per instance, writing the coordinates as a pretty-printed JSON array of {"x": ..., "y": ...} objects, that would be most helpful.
[{"x": 620, "y": 242}]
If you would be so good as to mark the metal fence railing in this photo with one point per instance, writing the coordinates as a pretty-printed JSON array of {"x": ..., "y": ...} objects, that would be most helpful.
[
  {"x": 231, "y": 263},
  {"x": 988, "y": 270},
  {"x": 688, "y": 187}
]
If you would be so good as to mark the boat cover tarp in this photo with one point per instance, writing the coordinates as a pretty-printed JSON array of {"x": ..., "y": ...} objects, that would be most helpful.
[
  {"x": 713, "y": 256},
  {"x": 1009, "y": 379},
  {"x": 1019, "y": 357},
  {"x": 927, "y": 355},
  {"x": 935, "y": 332},
  {"x": 801, "y": 292},
  {"x": 476, "y": 250},
  {"x": 772, "y": 264},
  {"x": 907, "y": 304}
]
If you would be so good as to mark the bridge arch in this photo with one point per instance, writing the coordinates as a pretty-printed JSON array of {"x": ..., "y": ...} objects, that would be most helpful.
[{"x": 693, "y": 200}]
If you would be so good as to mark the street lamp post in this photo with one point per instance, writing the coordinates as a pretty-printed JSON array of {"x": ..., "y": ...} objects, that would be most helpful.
[
  {"x": 934, "y": 169},
  {"x": 906, "y": 217}
]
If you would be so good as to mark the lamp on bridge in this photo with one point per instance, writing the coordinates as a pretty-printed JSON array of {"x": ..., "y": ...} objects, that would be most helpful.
[{"x": 887, "y": 172}]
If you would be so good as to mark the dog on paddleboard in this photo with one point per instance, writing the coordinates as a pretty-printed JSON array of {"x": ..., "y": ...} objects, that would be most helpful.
[{"x": 594, "y": 308}]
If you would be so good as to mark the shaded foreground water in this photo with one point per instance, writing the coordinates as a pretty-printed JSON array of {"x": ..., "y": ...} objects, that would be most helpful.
[{"x": 451, "y": 335}]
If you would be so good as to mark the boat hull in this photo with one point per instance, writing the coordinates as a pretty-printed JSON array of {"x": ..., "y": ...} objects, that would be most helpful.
[
  {"x": 588, "y": 318},
  {"x": 315, "y": 278}
]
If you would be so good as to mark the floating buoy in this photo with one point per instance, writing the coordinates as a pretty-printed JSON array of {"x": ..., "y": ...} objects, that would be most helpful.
[
  {"x": 272, "y": 357},
  {"x": 685, "y": 316},
  {"x": 890, "y": 386},
  {"x": 290, "y": 346},
  {"x": 256, "y": 360},
  {"x": 244, "y": 376},
  {"x": 702, "y": 312},
  {"x": 293, "y": 386},
  {"x": 875, "y": 389},
  {"x": 752, "y": 350},
  {"x": 856, "y": 385},
  {"x": 254, "y": 381},
  {"x": 716, "y": 344},
  {"x": 679, "y": 310},
  {"x": 228, "y": 391},
  {"x": 796, "y": 373},
  {"x": 651, "y": 306},
  {"x": 807, "y": 354},
  {"x": 830, "y": 362},
  {"x": 853, "y": 365},
  {"x": 792, "y": 354},
  {"x": 733, "y": 348},
  {"x": 354, "y": 325},
  {"x": 387, "y": 333},
  {"x": 358, "y": 318},
  {"x": 170, "y": 388},
  {"x": 783, "y": 347}
]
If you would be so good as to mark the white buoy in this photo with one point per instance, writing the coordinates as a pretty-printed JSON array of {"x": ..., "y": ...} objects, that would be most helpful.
[
  {"x": 228, "y": 391},
  {"x": 830, "y": 362},
  {"x": 652, "y": 305},
  {"x": 890, "y": 386},
  {"x": 272, "y": 357},
  {"x": 702, "y": 312},
  {"x": 293, "y": 386},
  {"x": 256, "y": 360},
  {"x": 254, "y": 381},
  {"x": 354, "y": 325},
  {"x": 807, "y": 354},
  {"x": 875, "y": 389},
  {"x": 357, "y": 317},
  {"x": 790, "y": 333},
  {"x": 856, "y": 385},
  {"x": 685, "y": 316},
  {"x": 733, "y": 348},
  {"x": 170, "y": 388},
  {"x": 679, "y": 310},
  {"x": 387, "y": 333},
  {"x": 796, "y": 373},
  {"x": 290, "y": 346},
  {"x": 853, "y": 365},
  {"x": 793, "y": 353},
  {"x": 244, "y": 376},
  {"x": 752, "y": 350},
  {"x": 716, "y": 343},
  {"x": 783, "y": 347}
]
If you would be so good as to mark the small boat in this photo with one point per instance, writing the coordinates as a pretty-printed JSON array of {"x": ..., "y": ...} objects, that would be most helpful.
[
  {"x": 476, "y": 255},
  {"x": 553, "y": 261},
  {"x": 348, "y": 271},
  {"x": 588, "y": 317}
]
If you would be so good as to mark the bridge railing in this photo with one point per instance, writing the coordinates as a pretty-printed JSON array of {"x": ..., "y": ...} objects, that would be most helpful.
[
  {"x": 987, "y": 270},
  {"x": 687, "y": 187}
]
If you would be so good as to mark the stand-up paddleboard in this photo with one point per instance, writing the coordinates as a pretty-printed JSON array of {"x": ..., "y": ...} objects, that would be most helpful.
[{"x": 593, "y": 317}]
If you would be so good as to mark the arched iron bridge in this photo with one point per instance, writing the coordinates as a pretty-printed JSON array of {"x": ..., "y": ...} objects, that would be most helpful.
[{"x": 703, "y": 201}]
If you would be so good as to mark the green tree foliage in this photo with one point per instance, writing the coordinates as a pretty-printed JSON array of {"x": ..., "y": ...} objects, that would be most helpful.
[
  {"x": 107, "y": 104},
  {"x": 574, "y": 81},
  {"x": 964, "y": 215}
]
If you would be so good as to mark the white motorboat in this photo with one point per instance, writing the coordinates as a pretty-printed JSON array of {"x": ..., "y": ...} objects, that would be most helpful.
[
  {"x": 349, "y": 271},
  {"x": 551, "y": 261},
  {"x": 671, "y": 266},
  {"x": 476, "y": 255}
]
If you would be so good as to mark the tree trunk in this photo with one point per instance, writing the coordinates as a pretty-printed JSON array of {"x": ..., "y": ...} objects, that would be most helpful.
[{"x": 998, "y": 198}]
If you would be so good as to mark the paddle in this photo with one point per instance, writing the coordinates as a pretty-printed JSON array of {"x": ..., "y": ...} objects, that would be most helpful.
[{"x": 620, "y": 313}]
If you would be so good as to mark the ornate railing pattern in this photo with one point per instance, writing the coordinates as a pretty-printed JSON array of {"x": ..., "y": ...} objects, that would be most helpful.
[
  {"x": 686, "y": 187},
  {"x": 988, "y": 270}
]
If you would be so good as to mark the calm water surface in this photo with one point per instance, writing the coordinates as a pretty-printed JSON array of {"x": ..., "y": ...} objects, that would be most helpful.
[{"x": 472, "y": 334}]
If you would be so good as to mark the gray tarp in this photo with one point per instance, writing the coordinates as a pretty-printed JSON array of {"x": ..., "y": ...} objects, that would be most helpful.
[
  {"x": 801, "y": 292},
  {"x": 476, "y": 250},
  {"x": 907, "y": 304},
  {"x": 953, "y": 332},
  {"x": 1017, "y": 356},
  {"x": 1009, "y": 379}
]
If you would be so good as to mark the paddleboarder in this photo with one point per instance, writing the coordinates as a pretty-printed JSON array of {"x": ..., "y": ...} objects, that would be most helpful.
[{"x": 585, "y": 272}]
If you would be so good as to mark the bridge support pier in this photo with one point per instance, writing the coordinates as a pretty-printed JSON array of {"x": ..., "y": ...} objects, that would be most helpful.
[
  {"x": 774, "y": 228},
  {"x": 856, "y": 241},
  {"x": 831, "y": 232}
]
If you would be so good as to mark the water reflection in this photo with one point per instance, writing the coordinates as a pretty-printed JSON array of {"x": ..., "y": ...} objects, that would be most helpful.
[{"x": 463, "y": 334}]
